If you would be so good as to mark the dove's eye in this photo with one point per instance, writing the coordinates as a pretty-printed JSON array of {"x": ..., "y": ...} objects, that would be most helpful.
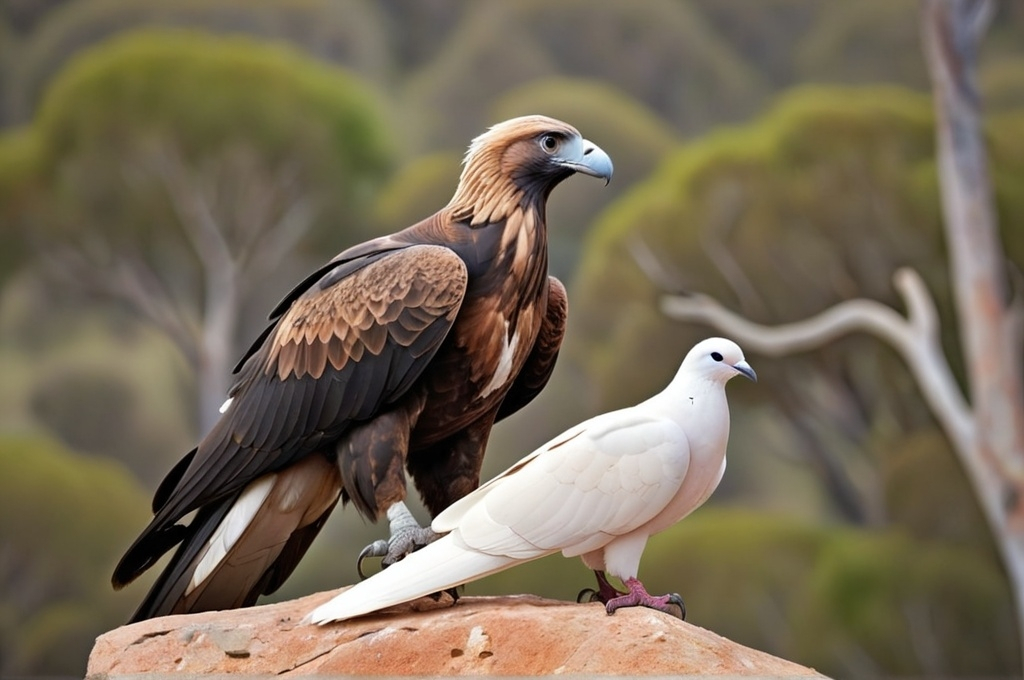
[{"x": 716, "y": 356}]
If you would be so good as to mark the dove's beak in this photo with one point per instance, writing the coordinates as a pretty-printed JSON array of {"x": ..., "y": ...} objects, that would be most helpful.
[{"x": 745, "y": 370}]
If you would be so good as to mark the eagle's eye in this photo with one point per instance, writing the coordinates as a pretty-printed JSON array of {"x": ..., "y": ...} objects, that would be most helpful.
[{"x": 549, "y": 143}]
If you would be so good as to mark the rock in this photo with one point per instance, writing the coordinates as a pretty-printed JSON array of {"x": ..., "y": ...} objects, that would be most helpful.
[{"x": 521, "y": 635}]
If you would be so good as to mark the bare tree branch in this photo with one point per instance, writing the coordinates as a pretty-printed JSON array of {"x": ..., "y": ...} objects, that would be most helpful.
[
  {"x": 129, "y": 281},
  {"x": 729, "y": 208},
  {"x": 661, "y": 276},
  {"x": 992, "y": 349},
  {"x": 915, "y": 337}
]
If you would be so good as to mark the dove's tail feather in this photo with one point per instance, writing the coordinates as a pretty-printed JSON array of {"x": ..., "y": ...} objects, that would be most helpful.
[{"x": 439, "y": 566}]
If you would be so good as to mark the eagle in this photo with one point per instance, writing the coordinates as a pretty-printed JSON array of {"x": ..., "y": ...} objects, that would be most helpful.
[{"x": 395, "y": 358}]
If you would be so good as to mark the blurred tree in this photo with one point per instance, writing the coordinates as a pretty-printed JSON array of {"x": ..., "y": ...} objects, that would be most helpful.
[
  {"x": 8, "y": 51},
  {"x": 857, "y": 42},
  {"x": 757, "y": 31},
  {"x": 177, "y": 173},
  {"x": 819, "y": 200},
  {"x": 62, "y": 518},
  {"x": 17, "y": 158},
  {"x": 417, "y": 189},
  {"x": 349, "y": 32},
  {"x": 98, "y": 408},
  {"x": 24, "y": 15},
  {"x": 61, "y": 362},
  {"x": 1002, "y": 85},
  {"x": 419, "y": 30},
  {"x": 986, "y": 430},
  {"x": 678, "y": 66}
]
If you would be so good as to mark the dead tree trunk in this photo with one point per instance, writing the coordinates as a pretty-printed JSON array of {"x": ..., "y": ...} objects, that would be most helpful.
[{"x": 989, "y": 325}]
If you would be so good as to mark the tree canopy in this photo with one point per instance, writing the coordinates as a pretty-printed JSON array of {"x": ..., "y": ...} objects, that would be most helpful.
[
  {"x": 63, "y": 518},
  {"x": 178, "y": 173}
]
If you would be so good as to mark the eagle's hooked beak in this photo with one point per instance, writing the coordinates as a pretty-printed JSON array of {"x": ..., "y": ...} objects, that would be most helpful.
[
  {"x": 584, "y": 156},
  {"x": 745, "y": 370}
]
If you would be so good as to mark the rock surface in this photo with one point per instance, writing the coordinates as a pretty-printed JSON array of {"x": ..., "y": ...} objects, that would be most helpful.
[{"x": 522, "y": 635}]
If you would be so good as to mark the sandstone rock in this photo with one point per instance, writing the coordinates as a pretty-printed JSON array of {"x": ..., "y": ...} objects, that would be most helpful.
[{"x": 522, "y": 635}]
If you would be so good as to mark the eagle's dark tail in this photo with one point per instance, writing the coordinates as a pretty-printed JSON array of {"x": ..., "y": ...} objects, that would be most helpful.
[{"x": 239, "y": 547}]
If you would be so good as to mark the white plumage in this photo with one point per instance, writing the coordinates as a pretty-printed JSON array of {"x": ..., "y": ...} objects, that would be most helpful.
[
  {"x": 598, "y": 491},
  {"x": 231, "y": 528}
]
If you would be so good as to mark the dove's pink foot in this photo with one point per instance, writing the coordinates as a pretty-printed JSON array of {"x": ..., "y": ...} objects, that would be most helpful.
[{"x": 639, "y": 597}]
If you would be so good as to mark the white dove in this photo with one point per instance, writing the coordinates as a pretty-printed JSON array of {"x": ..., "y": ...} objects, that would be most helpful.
[{"x": 599, "y": 491}]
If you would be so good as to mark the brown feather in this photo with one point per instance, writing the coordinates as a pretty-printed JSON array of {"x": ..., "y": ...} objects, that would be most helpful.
[{"x": 359, "y": 310}]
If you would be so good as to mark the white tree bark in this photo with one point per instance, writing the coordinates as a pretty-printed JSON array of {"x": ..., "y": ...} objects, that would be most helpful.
[{"x": 990, "y": 336}]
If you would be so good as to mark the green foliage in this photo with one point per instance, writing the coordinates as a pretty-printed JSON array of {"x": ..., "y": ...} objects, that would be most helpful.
[
  {"x": 101, "y": 384},
  {"x": 787, "y": 201},
  {"x": 758, "y": 30},
  {"x": 419, "y": 189},
  {"x": 864, "y": 42},
  {"x": 1002, "y": 85},
  {"x": 943, "y": 509},
  {"x": 350, "y": 32},
  {"x": 210, "y": 97},
  {"x": 687, "y": 75},
  {"x": 100, "y": 408},
  {"x": 830, "y": 596},
  {"x": 250, "y": 91},
  {"x": 912, "y": 608},
  {"x": 17, "y": 157},
  {"x": 64, "y": 519}
]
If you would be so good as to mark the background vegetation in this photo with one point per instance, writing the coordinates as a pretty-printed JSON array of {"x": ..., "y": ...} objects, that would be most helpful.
[{"x": 169, "y": 168}]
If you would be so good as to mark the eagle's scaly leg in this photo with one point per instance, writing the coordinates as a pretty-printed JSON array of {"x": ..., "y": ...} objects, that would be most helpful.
[{"x": 406, "y": 536}]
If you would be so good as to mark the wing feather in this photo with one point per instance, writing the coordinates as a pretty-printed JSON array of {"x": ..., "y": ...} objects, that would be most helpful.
[
  {"x": 609, "y": 478},
  {"x": 296, "y": 390}
]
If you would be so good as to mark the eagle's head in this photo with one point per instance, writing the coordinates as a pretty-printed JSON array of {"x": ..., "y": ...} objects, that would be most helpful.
[{"x": 520, "y": 161}]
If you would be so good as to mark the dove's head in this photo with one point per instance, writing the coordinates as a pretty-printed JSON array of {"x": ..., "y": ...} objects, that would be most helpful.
[{"x": 718, "y": 359}]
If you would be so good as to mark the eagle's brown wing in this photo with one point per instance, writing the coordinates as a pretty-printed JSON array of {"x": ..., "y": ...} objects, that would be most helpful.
[{"x": 353, "y": 341}]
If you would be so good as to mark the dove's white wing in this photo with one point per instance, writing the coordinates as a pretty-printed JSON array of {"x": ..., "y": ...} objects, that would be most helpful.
[
  {"x": 604, "y": 479},
  {"x": 450, "y": 517}
]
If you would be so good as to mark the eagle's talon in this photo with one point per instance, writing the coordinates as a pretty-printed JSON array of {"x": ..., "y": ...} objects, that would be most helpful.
[
  {"x": 407, "y": 536},
  {"x": 378, "y": 548}
]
